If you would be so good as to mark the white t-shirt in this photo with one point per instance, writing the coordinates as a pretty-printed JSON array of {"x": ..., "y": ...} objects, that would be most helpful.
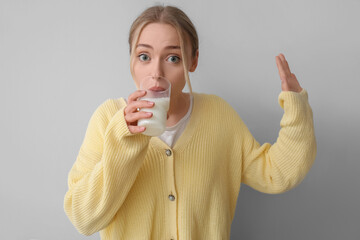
[{"x": 172, "y": 133}]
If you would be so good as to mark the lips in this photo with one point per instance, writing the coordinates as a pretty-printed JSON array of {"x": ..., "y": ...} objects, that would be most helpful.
[{"x": 157, "y": 89}]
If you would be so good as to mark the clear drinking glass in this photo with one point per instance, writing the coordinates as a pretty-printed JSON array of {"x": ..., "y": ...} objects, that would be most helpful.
[{"x": 158, "y": 90}]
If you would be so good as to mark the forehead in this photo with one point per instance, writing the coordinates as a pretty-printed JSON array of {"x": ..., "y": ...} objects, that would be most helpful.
[{"x": 159, "y": 33}]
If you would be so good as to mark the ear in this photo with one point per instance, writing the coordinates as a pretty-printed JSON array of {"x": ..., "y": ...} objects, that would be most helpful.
[{"x": 194, "y": 62}]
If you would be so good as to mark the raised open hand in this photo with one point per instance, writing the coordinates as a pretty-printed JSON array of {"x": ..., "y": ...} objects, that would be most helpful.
[{"x": 289, "y": 81}]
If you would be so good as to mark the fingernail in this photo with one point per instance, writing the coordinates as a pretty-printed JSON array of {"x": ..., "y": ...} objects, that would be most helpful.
[
  {"x": 148, "y": 113},
  {"x": 151, "y": 103}
]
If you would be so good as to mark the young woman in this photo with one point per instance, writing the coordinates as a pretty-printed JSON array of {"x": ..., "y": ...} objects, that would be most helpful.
[{"x": 183, "y": 184}]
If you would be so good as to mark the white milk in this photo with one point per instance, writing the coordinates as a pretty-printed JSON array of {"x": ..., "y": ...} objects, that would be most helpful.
[{"x": 155, "y": 125}]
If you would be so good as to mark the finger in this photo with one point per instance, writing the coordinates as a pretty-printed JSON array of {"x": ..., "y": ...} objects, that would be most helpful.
[
  {"x": 280, "y": 67},
  {"x": 136, "y": 129},
  {"x": 135, "y": 95},
  {"x": 133, "y": 117},
  {"x": 285, "y": 64},
  {"x": 132, "y": 107}
]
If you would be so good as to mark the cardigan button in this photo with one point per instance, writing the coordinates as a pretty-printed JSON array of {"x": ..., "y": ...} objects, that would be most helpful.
[
  {"x": 171, "y": 197},
  {"x": 168, "y": 152}
]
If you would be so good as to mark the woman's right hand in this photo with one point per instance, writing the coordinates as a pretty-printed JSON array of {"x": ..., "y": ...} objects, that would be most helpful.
[{"x": 132, "y": 115}]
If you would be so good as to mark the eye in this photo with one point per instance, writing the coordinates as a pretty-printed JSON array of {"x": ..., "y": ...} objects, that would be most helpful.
[
  {"x": 174, "y": 59},
  {"x": 143, "y": 57}
]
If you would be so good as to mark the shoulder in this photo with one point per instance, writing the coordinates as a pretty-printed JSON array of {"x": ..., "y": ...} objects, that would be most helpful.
[
  {"x": 216, "y": 110},
  {"x": 106, "y": 110},
  {"x": 218, "y": 118},
  {"x": 111, "y": 105},
  {"x": 211, "y": 100},
  {"x": 213, "y": 103}
]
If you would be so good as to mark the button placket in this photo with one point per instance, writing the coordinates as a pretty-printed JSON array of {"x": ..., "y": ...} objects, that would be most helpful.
[{"x": 172, "y": 195}]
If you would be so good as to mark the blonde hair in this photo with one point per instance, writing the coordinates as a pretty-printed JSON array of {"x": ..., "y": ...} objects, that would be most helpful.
[{"x": 169, "y": 15}]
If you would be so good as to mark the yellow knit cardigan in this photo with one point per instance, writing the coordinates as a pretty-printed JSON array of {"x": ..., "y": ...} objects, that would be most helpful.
[{"x": 131, "y": 186}]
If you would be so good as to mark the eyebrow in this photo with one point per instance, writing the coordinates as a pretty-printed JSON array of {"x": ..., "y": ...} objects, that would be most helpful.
[{"x": 148, "y": 46}]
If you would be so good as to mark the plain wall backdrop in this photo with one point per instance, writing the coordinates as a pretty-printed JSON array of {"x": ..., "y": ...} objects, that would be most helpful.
[{"x": 59, "y": 60}]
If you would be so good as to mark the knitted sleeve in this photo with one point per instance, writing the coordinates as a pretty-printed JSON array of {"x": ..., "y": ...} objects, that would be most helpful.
[
  {"x": 105, "y": 169},
  {"x": 282, "y": 166}
]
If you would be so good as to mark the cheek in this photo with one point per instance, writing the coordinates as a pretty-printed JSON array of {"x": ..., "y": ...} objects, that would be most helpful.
[
  {"x": 176, "y": 73},
  {"x": 139, "y": 71}
]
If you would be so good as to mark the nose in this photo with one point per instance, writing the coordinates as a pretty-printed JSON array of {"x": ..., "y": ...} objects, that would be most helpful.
[{"x": 157, "y": 69}]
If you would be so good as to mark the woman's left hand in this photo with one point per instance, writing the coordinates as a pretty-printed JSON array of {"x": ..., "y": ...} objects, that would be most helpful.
[{"x": 288, "y": 79}]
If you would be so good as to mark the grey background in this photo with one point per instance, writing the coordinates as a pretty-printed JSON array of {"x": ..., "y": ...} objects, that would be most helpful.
[{"x": 59, "y": 60}]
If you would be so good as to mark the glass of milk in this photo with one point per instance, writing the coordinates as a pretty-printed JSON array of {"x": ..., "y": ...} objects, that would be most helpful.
[{"x": 158, "y": 90}]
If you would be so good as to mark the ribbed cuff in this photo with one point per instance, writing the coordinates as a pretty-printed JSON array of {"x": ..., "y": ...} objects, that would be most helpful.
[{"x": 286, "y": 96}]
